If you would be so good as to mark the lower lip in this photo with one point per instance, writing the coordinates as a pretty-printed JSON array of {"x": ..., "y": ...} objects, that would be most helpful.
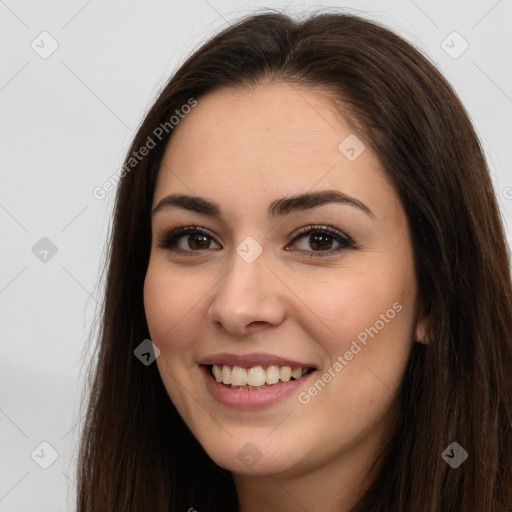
[{"x": 247, "y": 399}]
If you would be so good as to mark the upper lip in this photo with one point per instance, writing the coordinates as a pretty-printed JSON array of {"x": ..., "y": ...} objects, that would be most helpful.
[{"x": 251, "y": 360}]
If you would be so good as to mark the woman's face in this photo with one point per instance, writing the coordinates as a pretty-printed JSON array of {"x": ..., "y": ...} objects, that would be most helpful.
[{"x": 258, "y": 295}]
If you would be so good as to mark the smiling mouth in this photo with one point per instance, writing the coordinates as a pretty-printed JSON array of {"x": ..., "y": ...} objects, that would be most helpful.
[{"x": 256, "y": 377}]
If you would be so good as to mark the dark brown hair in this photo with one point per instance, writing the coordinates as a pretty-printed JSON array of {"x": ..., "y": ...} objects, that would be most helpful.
[{"x": 136, "y": 454}]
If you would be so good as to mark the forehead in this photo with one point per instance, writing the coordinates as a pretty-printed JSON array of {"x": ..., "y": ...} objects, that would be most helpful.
[
  {"x": 276, "y": 139},
  {"x": 274, "y": 119}
]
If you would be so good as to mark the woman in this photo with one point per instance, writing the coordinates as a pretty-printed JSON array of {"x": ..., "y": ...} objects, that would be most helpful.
[{"x": 306, "y": 231}]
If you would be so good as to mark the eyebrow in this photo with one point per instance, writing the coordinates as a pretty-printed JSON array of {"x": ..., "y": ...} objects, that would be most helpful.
[{"x": 278, "y": 208}]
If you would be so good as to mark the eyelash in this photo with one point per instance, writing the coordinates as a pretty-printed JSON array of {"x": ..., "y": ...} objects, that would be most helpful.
[{"x": 170, "y": 237}]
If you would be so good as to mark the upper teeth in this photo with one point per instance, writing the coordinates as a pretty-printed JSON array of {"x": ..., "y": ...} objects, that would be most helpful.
[{"x": 255, "y": 376}]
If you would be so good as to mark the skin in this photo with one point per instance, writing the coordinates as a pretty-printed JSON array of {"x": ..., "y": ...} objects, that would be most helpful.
[{"x": 243, "y": 149}]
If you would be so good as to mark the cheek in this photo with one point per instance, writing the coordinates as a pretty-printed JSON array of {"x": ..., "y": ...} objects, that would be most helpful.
[
  {"x": 365, "y": 333},
  {"x": 366, "y": 320},
  {"x": 169, "y": 303},
  {"x": 348, "y": 306},
  {"x": 159, "y": 304},
  {"x": 170, "y": 313}
]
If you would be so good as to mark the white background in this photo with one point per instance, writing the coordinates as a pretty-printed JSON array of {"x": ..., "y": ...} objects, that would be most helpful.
[{"x": 66, "y": 123}]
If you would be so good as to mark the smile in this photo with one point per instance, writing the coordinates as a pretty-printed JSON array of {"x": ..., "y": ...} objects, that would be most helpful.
[
  {"x": 256, "y": 377},
  {"x": 246, "y": 397}
]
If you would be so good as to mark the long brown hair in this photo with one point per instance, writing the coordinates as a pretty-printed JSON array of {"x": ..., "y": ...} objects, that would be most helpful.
[{"x": 136, "y": 453}]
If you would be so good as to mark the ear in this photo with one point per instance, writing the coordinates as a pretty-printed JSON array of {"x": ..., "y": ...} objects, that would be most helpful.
[{"x": 421, "y": 326}]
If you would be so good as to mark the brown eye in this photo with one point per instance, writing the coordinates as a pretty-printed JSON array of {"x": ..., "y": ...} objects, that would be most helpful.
[
  {"x": 318, "y": 240},
  {"x": 186, "y": 239}
]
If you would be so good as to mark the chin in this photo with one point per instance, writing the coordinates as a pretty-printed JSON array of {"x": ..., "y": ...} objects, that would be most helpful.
[{"x": 252, "y": 455}]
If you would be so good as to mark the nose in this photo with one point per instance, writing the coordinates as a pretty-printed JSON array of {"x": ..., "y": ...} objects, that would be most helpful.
[{"x": 247, "y": 298}]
